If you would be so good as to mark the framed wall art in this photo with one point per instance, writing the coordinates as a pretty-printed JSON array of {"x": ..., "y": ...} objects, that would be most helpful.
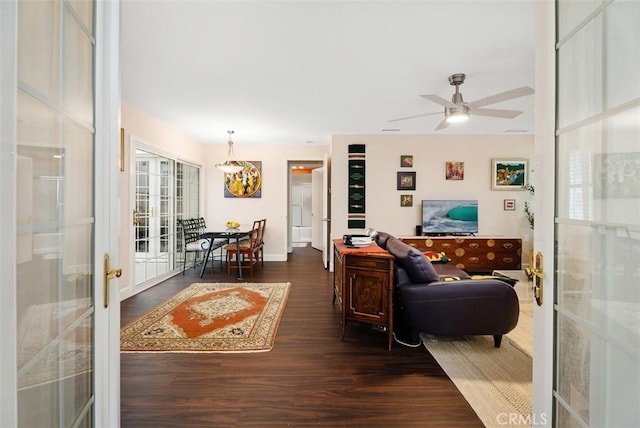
[
  {"x": 246, "y": 183},
  {"x": 454, "y": 170},
  {"x": 509, "y": 205},
  {"x": 356, "y": 219},
  {"x": 509, "y": 174},
  {"x": 406, "y": 161},
  {"x": 406, "y": 181},
  {"x": 406, "y": 200}
]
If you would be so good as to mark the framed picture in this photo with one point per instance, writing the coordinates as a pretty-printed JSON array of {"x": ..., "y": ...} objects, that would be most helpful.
[
  {"x": 246, "y": 183},
  {"x": 406, "y": 200},
  {"x": 454, "y": 170},
  {"x": 509, "y": 174},
  {"x": 406, "y": 161},
  {"x": 509, "y": 204},
  {"x": 406, "y": 181}
]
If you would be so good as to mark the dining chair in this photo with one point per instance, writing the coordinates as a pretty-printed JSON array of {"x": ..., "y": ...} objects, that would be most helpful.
[
  {"x": 191, "y": 229},
  {"x": 263, "y": 225},
  {"x": 246, "y": 252}
]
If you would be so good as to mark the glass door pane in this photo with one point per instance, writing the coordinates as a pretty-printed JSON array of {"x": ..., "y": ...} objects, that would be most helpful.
[
  {"x": 597, "y": 302},
  {"x": 54, "y": 284},
  {"x": 187, "y": 200},
  {"x": 187, "y": 191},
  {"x": 155, "y": 216}
]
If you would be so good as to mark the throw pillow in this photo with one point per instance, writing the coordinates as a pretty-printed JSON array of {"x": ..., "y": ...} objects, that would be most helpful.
[
  {"x": 418, "y": 267},
  {"x": 382, "y": 238}
]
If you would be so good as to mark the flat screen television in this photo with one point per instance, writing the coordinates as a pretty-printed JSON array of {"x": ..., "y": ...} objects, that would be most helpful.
[{"x": 449, "y": 217}]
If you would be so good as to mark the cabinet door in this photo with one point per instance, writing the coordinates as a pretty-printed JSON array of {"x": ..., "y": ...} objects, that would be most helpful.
[{"x": 366, "y": 295}]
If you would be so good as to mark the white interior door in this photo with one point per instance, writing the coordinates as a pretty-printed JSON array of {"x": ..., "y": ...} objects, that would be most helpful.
[
  {"x": 317, "y": 177},
  {"x": 590, "y": 346},
  {"x": 326, "y": 213},
  {"x": 59, "y": 137},
  {"x": 544, "y": 210}
]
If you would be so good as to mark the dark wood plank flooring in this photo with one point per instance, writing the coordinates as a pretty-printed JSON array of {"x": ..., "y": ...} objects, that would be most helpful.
[{"x": 310, "y": 377}]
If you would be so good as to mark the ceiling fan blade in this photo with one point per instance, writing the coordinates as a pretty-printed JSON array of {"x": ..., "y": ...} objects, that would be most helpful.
[
  {"x": 503, "y": 96},
  {"x": 507, "y": 114},
  {"x": 413, "y": 117},
  {"x": 442, "y": 124},
  {"x": 439, "y": 100}
]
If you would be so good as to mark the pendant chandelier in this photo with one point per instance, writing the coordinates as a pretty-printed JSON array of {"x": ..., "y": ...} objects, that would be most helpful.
[{"x": 230, "y": 165}]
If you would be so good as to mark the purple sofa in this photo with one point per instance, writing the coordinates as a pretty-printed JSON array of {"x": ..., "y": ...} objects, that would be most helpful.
[{"x": 430, "y": 304}]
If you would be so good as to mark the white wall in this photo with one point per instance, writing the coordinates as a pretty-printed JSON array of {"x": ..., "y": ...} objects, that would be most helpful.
[
  {"x": 430, "y": 152},
  {"x": 273, "y": 205}
]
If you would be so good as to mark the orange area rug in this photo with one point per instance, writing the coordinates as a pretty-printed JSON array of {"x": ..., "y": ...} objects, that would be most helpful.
[{"x": 211, "y": 317}]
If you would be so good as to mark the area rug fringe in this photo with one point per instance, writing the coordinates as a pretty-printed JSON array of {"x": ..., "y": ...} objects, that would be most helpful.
[{"x": 211, "y": 318}]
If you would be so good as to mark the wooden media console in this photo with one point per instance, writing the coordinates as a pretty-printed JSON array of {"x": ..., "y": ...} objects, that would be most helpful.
[{"x": 473, "y": 254}]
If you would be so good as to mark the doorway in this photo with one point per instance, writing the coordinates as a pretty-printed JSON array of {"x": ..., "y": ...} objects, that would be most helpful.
[
  {"x": 303, "y": 218},
  {"x": 154, "y": 216}
]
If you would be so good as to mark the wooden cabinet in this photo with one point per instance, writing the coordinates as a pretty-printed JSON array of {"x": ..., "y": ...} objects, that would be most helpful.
[
  {"x": 474, "y": 254},
  {"x": 363, "y": 286}
]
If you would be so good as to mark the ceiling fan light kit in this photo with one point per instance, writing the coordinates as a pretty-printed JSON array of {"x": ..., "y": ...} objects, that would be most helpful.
[
  {"x": 230, "y": 165},
  {"x": 459, "y": 113},
  {"x": 457, "y": 110},
  {"x": 456, "y": 115}
]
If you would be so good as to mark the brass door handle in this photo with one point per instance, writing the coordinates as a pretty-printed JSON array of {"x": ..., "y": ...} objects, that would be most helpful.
[
  {"x": 533, "y": 272},
  {"x": 538, "y": 279},
  {"x": 109, "y": 274}
]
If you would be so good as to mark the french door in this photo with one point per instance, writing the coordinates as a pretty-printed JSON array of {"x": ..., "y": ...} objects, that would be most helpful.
[
  {"x": 166, "y": 190},
  {"x": 154, "y": 216},
  {"x": 587, "y": 345},
  {"x": 58, "y": 130}
]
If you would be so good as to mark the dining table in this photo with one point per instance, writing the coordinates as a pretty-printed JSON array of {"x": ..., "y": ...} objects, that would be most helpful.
[{"x": 224, "y": 235}]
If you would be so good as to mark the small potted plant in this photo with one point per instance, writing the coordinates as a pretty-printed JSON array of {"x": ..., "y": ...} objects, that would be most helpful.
[{"x": 528, "y": 210}]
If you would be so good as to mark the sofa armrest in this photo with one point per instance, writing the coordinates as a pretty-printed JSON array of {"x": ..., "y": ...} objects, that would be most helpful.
[{"x": 465, "y": 307}]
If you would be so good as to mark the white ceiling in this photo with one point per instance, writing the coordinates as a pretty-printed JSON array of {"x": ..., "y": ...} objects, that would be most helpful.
[{"x": 295, "y": 72}]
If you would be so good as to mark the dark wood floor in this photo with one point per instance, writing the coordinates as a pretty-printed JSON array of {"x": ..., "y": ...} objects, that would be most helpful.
[{"x": 310, "y": 377}]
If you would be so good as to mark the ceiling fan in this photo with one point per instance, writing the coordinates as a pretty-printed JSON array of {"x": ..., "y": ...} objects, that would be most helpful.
[{"x": 457, "y": 110}]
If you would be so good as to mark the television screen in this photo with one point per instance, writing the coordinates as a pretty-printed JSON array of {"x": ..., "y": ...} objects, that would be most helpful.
[{"x": 449, "y": 217}]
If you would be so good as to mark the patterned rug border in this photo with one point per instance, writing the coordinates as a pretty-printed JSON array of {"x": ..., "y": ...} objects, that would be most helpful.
[{"x": 274, "y": 308}]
